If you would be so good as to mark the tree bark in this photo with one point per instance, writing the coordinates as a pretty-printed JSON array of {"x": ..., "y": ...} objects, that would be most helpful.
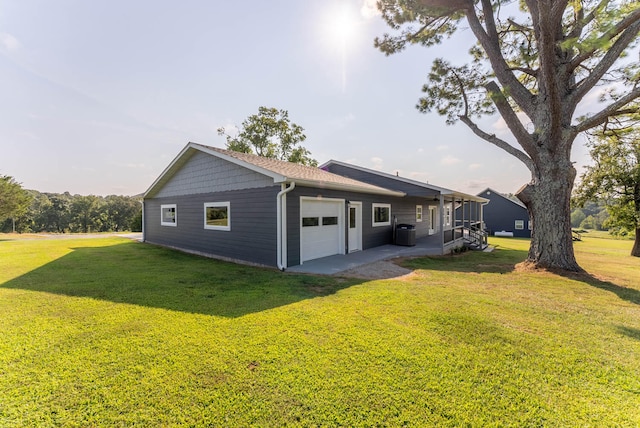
[
  {"x": 635, "y": 251},
  {"x": 547, "y": 197}
]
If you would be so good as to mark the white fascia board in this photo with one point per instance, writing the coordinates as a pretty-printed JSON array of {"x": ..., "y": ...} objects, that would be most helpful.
[
  {"x": 468, "y": 197},
  {"x": 166, "y": 171},
  {"x": 347, "y": 187}
]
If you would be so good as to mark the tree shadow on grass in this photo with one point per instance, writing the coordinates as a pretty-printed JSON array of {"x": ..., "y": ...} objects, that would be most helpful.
[
  {"x": 499, "y": 261},
  {"x": 506, "y": 260},
  {"x": 625, "y": 293},
  {"x": 631, "y": 332},
  {"x": 146, "y": 275}
]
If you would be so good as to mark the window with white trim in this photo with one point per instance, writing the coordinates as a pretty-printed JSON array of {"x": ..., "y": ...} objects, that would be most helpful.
[
  {"x": 418, "y": 213},
  {"x": 447, "y": 215},
  {"x": 217, "y": 215},
  {"x": 169, "y": 215},
  {"x": 381, "y": 214},
  {"x": 519, "y": 225}
]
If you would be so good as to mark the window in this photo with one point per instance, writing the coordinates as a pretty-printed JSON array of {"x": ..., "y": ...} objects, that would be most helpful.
[
  {"x": 381, "y": 214},
  {"x": 447, "y": 215},
  {"x": 418, "y": 213},
  {"x": 519, "y": 224},
  {"x": 310, "y": 221},
  {"x": 217, "y": 216},
  {"x": 169, "y": 215},
  {"x": 329, "y": 221}
]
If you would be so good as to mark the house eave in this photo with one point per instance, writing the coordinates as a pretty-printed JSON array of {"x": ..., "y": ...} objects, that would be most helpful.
[{"x": 344, "y": 187}]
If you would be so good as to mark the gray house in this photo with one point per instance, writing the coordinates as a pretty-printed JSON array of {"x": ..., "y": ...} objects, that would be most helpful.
[
  {"x": 504, "y": 216},
  {"x": 244, "y": 207}
]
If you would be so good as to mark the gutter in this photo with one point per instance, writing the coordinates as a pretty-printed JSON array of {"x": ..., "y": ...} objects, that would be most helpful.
[{"x": 281, "y": 220}]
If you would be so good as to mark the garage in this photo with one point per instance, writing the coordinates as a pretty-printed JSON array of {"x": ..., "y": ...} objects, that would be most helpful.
[{"x": 322, "y": 228}]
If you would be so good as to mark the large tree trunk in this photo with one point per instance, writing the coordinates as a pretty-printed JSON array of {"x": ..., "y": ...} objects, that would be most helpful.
[
  {"x": 635, "y": 251},
  {"x": 548, "y": 198}
]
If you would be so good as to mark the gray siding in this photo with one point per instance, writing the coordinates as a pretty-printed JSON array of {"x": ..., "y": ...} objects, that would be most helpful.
[
  {"x": 501, "y": 213},
  {"x": 204, "y": 173},
  {"x": 404, "y": 209},
  {"x": 385, "y": 182},
  {"x": 252, "y": 237}
]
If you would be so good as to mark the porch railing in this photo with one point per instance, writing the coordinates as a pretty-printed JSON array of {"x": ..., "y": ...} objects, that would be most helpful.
[{"x": 475, "y": 238}]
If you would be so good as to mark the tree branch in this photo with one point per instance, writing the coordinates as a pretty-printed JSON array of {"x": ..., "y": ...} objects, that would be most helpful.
[
  {"x": 622, "y": 25},
  {"x": 521, "y": 95},
  {"x": 491, "y": 138},
  {"x": 526, "y": 70},
  {"x": 613, "y": 109},
  {"x": 510, "y": 118},
  {"x": 548, "y": 77},
  {"x": 582, "y": 21},
  {"x": 628, "y": 35}
]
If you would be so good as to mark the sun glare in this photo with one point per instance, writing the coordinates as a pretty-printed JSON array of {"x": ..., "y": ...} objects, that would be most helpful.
[
  {"x": 339, "y": 32},
  {"x": 342, "y": 24}
]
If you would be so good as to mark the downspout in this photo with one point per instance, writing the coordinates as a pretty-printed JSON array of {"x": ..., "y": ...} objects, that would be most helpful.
[
  {"x": 281, "y": 218},
  {"x": 144, "y": 238}
]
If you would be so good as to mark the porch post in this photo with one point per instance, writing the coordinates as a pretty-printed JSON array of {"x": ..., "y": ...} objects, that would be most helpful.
[{"x": 441, "y": 220}]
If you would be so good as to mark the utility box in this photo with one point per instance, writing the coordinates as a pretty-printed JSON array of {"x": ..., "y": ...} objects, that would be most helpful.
[{"x": 406, "y": 235}]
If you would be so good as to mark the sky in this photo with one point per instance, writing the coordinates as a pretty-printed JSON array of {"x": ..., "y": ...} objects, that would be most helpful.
[{"x": 98, "y": 97}]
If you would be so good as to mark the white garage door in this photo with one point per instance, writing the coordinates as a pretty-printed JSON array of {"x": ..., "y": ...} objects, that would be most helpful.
[{"x": 321, "y": 228}]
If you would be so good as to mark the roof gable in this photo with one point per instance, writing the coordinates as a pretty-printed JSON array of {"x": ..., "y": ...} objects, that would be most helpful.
[
  {"x": 279, "y": 171},
  {"x": 488, "y": 192}
]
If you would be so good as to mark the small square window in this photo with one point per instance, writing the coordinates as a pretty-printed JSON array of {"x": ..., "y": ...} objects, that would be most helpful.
[
  {"x": 217, "y": 216},
  {"x": 519, "y": 225},
  {"x": 169, "y": 215},
  {"x": 381, "y": 214},
  {"x": 418, "y": 213}
]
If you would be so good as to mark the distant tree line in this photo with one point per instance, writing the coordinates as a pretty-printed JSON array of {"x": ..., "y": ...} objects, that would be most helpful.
[
  {"x": 593, "y": 215},
  {"x": 66, "y": 213}
]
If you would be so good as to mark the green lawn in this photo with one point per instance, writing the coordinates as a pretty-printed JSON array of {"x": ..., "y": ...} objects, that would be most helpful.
[{"x": 107, "y": 331}]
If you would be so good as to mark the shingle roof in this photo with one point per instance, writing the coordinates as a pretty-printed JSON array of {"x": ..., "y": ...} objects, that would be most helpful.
[
  {"x": 280, "y": 171},
  {"x": 438, "y": 189}
]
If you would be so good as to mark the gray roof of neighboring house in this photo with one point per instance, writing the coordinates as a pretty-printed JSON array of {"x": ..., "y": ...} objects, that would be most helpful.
[
  {"x": 280, "y": 171},
  {"x": 514, "y": 200}
]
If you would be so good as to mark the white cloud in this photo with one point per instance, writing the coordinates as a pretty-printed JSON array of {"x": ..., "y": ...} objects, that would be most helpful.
[
  {"x": 442, "y": 147},
  {"x": 377, "y": 162},
  {"x": 450, "y": 160},
  {"x": 477, "y": 184},
  {"x": 8, "y": 42},
  {"x": 369, "y": 9},
  {"x": 475, "y": 166},
  {"x": 419, "y": 176}
]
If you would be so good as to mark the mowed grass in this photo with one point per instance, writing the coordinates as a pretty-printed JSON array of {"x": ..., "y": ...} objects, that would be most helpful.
[{"x": 107, "y": 332}]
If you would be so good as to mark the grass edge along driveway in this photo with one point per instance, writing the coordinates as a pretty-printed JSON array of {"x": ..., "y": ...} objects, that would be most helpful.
[{"x": 112, "y": 332}]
